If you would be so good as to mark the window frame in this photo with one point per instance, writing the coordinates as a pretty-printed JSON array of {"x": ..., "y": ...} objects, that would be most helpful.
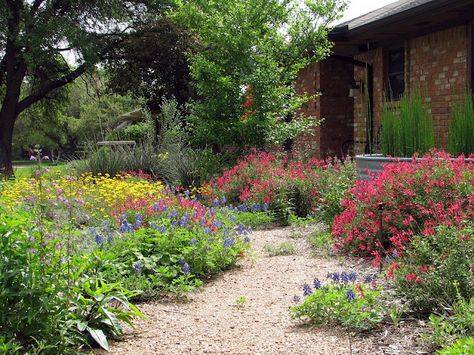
[{"x": 400, "y": 48}]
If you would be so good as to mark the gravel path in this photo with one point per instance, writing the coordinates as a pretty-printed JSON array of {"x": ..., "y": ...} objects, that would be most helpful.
[{"x": 212, "y": 322}]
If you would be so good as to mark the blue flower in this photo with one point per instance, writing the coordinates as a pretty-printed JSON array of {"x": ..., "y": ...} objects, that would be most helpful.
[
  {"x": 186, "y": 269},
  {"x": 368, "y": 280},
  {"x": 256, "y": 207},
  {"x": 183, "y": 221},
  {"x": 156, "y": 207},
  {"x": 344, "y": 277},
  {"x": 350, "y": 295},
  {"x": 162, "y": 229},
  {"x": 215, "y": 202},
  {"x": 182, "y": 261},
  {"x": 99, "y": 239},
  {"x": 223, "y": 200},
  {"x": 247, "y": 240},
  {"x": 317, "y": 284},
  {"x": 153, "y": 226},
  {"x": 265, "y": 207},
  {"x": 173, "y": 214},
  {"x": 207, "y": 230},
  {"x": 125, "y": 227},
  {"x": 228, "y": 242},
  {"x": 110, "y": 238},
  {"x": 193, "y": 241},
  {"x": 307, "y": 290},
  {"x": 186, "y": 193},
  {"x": 137, "y": 267},
  {"x": 352, "y": 276},
  {"x": 333, "y": 276}
]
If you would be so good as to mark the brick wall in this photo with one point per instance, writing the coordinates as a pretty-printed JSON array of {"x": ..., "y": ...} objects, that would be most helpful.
[
  {"x": 308, "y": 81},
  {"x": 438, "y": 65},
  {"x": 336, "y": 108}
]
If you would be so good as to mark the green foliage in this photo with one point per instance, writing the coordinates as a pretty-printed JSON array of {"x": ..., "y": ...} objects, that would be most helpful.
[
  {"x": 436, "y": 270},
  {"x": 408, "y": 129},
  {"x": 284, "y": 248},
  {"x": 9, "y": 347},
  {"x": 258, "y": 220},
  {"x": 342, "y": 304},
  {"x": 463, "y": 346},
  {"x": 461, "y": 128},
  {"x": 321, "y": 240},
  {"x": 248, "y": 56},
  {"x": 240, "y": 301},
  {"x": 457, "y": 325},
  {"x": 121, "y": 159}
]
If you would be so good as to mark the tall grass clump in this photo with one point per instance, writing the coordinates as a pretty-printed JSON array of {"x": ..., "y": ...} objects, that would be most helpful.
[
  {"x": 408, "y": 129},
  {"x": 461, "y": 128}
]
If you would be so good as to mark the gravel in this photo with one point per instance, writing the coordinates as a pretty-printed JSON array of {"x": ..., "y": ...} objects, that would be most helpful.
[{"x": 213, "y": 321}]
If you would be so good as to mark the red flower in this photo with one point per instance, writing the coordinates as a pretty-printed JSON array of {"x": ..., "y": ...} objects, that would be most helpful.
[{"x": 410, "y": 277}]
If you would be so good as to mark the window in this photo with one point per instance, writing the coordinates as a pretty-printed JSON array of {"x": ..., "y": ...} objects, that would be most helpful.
[
  {"x": 396, "y": 73},
  {"x": 472, "y": 56}
]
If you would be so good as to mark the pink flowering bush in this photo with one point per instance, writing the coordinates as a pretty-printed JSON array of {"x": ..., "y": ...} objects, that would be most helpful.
[
  {"x": 286, "y": 186},
  {"x": 416, "y": 197}
]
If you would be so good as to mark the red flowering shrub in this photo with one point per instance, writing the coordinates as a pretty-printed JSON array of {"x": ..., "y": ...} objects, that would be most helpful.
[
  {"x": 285, "y": 185},
  {"x": 416, "y": 197},
  {"x": 434, "y": 272}
]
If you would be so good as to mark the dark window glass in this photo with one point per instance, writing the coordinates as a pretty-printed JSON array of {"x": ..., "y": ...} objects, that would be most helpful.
[
  {"x": 396, "y": 73},
  {"x": 472, "y": 58}
]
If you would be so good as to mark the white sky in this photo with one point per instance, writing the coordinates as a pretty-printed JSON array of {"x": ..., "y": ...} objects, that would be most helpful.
[{"x": 361, "y": 7}]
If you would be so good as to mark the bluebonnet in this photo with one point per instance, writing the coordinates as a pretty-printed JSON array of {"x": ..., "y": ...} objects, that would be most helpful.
[
  {"x": 207, "y": 230},
  {"x": 193, "y": 241},
  {"x": 241, "y": 229},
  {"x": 232, "y": 218},
  {"x": 256, "y": 207},
  {"x": 247, "y": 240},
  {"x": 265, "y": 207},
  {"x": 182, "y": 262},
  {"x": 202, "y": 222},
  {"x": 186, "y": 268},
  {"x": 162, "y": 229},
  {"x": 156, "y": 207},
  {"x": 173, "y": 213},
  {"x": 99, "y": 239},
  {"x": 223, "y": 200},
  {"x": 228, "y": 242},
  {"x": 368, "y": 280},
  {"x": 350, "y": 295},
  {"x": 153, "y": 226},
  {"x": 333, "y": 276},
  {"x": 125, "y": 227},
  {"x": 215, "y": 202},
  {"x": 175, "y": 223},
  {"x": 217, "y": 224},
  {"x": 307, "y": 290},
  {"x": 138, "y": 220},
  {"x": 137, "y": 267},
  {"x": 186, "y": 193},
  {"x": 344, "y": 277},
  {"x": 317, "y": 284},
  {"x": 183, "y": 221},
  {"x": 352, "y": 276},
  {"x": 110, "y": 238}
]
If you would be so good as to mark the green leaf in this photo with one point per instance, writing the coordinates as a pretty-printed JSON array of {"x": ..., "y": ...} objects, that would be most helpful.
[{"x": 100, "y": 338}]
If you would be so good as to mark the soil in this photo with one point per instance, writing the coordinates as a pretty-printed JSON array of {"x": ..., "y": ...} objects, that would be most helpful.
[{"x": 245, "y": 311}]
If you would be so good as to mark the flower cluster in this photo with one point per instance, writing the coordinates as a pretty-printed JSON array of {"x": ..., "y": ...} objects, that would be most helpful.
[
  {"x": 382, "y": 215},
  {"x": 280, "y": 183}
]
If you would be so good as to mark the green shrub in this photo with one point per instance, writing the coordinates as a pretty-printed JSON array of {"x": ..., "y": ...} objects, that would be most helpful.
[
  {"x": 463, "y": 346},
  {"x": 436, "y": 270},
  {"x": 459, "y": 324},
  {"x": 408, "y": 129},
  {"x": 461, "y": 128},
  {"x": 341, "y": 302},
  {"x": 284, "y": 248}
]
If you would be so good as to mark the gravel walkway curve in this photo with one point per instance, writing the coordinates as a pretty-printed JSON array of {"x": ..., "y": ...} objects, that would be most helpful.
[{"x": 212, "y": 322}]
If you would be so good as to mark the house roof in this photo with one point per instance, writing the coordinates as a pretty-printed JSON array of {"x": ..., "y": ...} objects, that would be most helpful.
[{"x": 401, "y": 20}]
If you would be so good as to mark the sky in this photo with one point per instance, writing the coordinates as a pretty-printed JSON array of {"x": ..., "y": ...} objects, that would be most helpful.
[{"x": 361, "y": 7}]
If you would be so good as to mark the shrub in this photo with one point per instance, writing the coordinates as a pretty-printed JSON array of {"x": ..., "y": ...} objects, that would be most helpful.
[
  {"x": 461, "y": 128},
  {"x": 462, "y": 346},
  {"x": 416, "y": 196},
  {"x": 287, "y": 187},
  {"x": 447, "y": 329},
  {"x": 407, "y": 130},
  {"x": 343, "y": 301},
  {"x": 434, "y": 272}
]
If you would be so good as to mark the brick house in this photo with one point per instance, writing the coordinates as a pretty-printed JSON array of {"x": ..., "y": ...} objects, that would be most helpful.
[{"x": 424, "y": 44}]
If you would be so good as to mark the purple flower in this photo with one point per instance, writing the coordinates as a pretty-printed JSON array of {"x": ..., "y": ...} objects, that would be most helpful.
[
  {"x": 215, "y": 202},
  {"x": 368, "y": 280},
  {"x": 228, "y": 242},
  {"x": 32, "y": 157},
  {"x": 186, "y": 193},
  {"x": 307, "y": 290},
  {"x": 37, "y": 172},
  {"x": 99, "y": 239},
  {"x": 193, "y": 241},
  {"x": 186, "y": 268},
  {"x": 223, "y": 200},
  {"x": 153, "y": 226},
  {"x": 256, "y": 207},
  {"x": 46, "y": 157},
  {"x": 137, "y": 267},
  {"x": 317, "y": 284},
  {"x": 333, "y": 276},
  {"x": 350, "y": 295}
]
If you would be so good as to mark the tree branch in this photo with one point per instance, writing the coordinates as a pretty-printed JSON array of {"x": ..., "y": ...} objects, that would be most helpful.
[{"x": 51, "y": 85}]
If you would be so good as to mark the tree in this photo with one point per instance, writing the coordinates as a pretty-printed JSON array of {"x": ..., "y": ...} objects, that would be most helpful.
[
  {"x": 249, "y": 54},
  {"x": 151, "y": 64},
  {"x": 35, "y": 36}
]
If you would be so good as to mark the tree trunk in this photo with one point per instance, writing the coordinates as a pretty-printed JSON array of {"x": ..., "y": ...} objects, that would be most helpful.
[{"x": 7, "y": 120}]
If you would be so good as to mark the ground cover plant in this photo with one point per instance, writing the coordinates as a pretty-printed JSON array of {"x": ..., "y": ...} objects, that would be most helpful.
[
  {"x": 77, "y": 250},
  {"x": 288, "y": 187}
]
